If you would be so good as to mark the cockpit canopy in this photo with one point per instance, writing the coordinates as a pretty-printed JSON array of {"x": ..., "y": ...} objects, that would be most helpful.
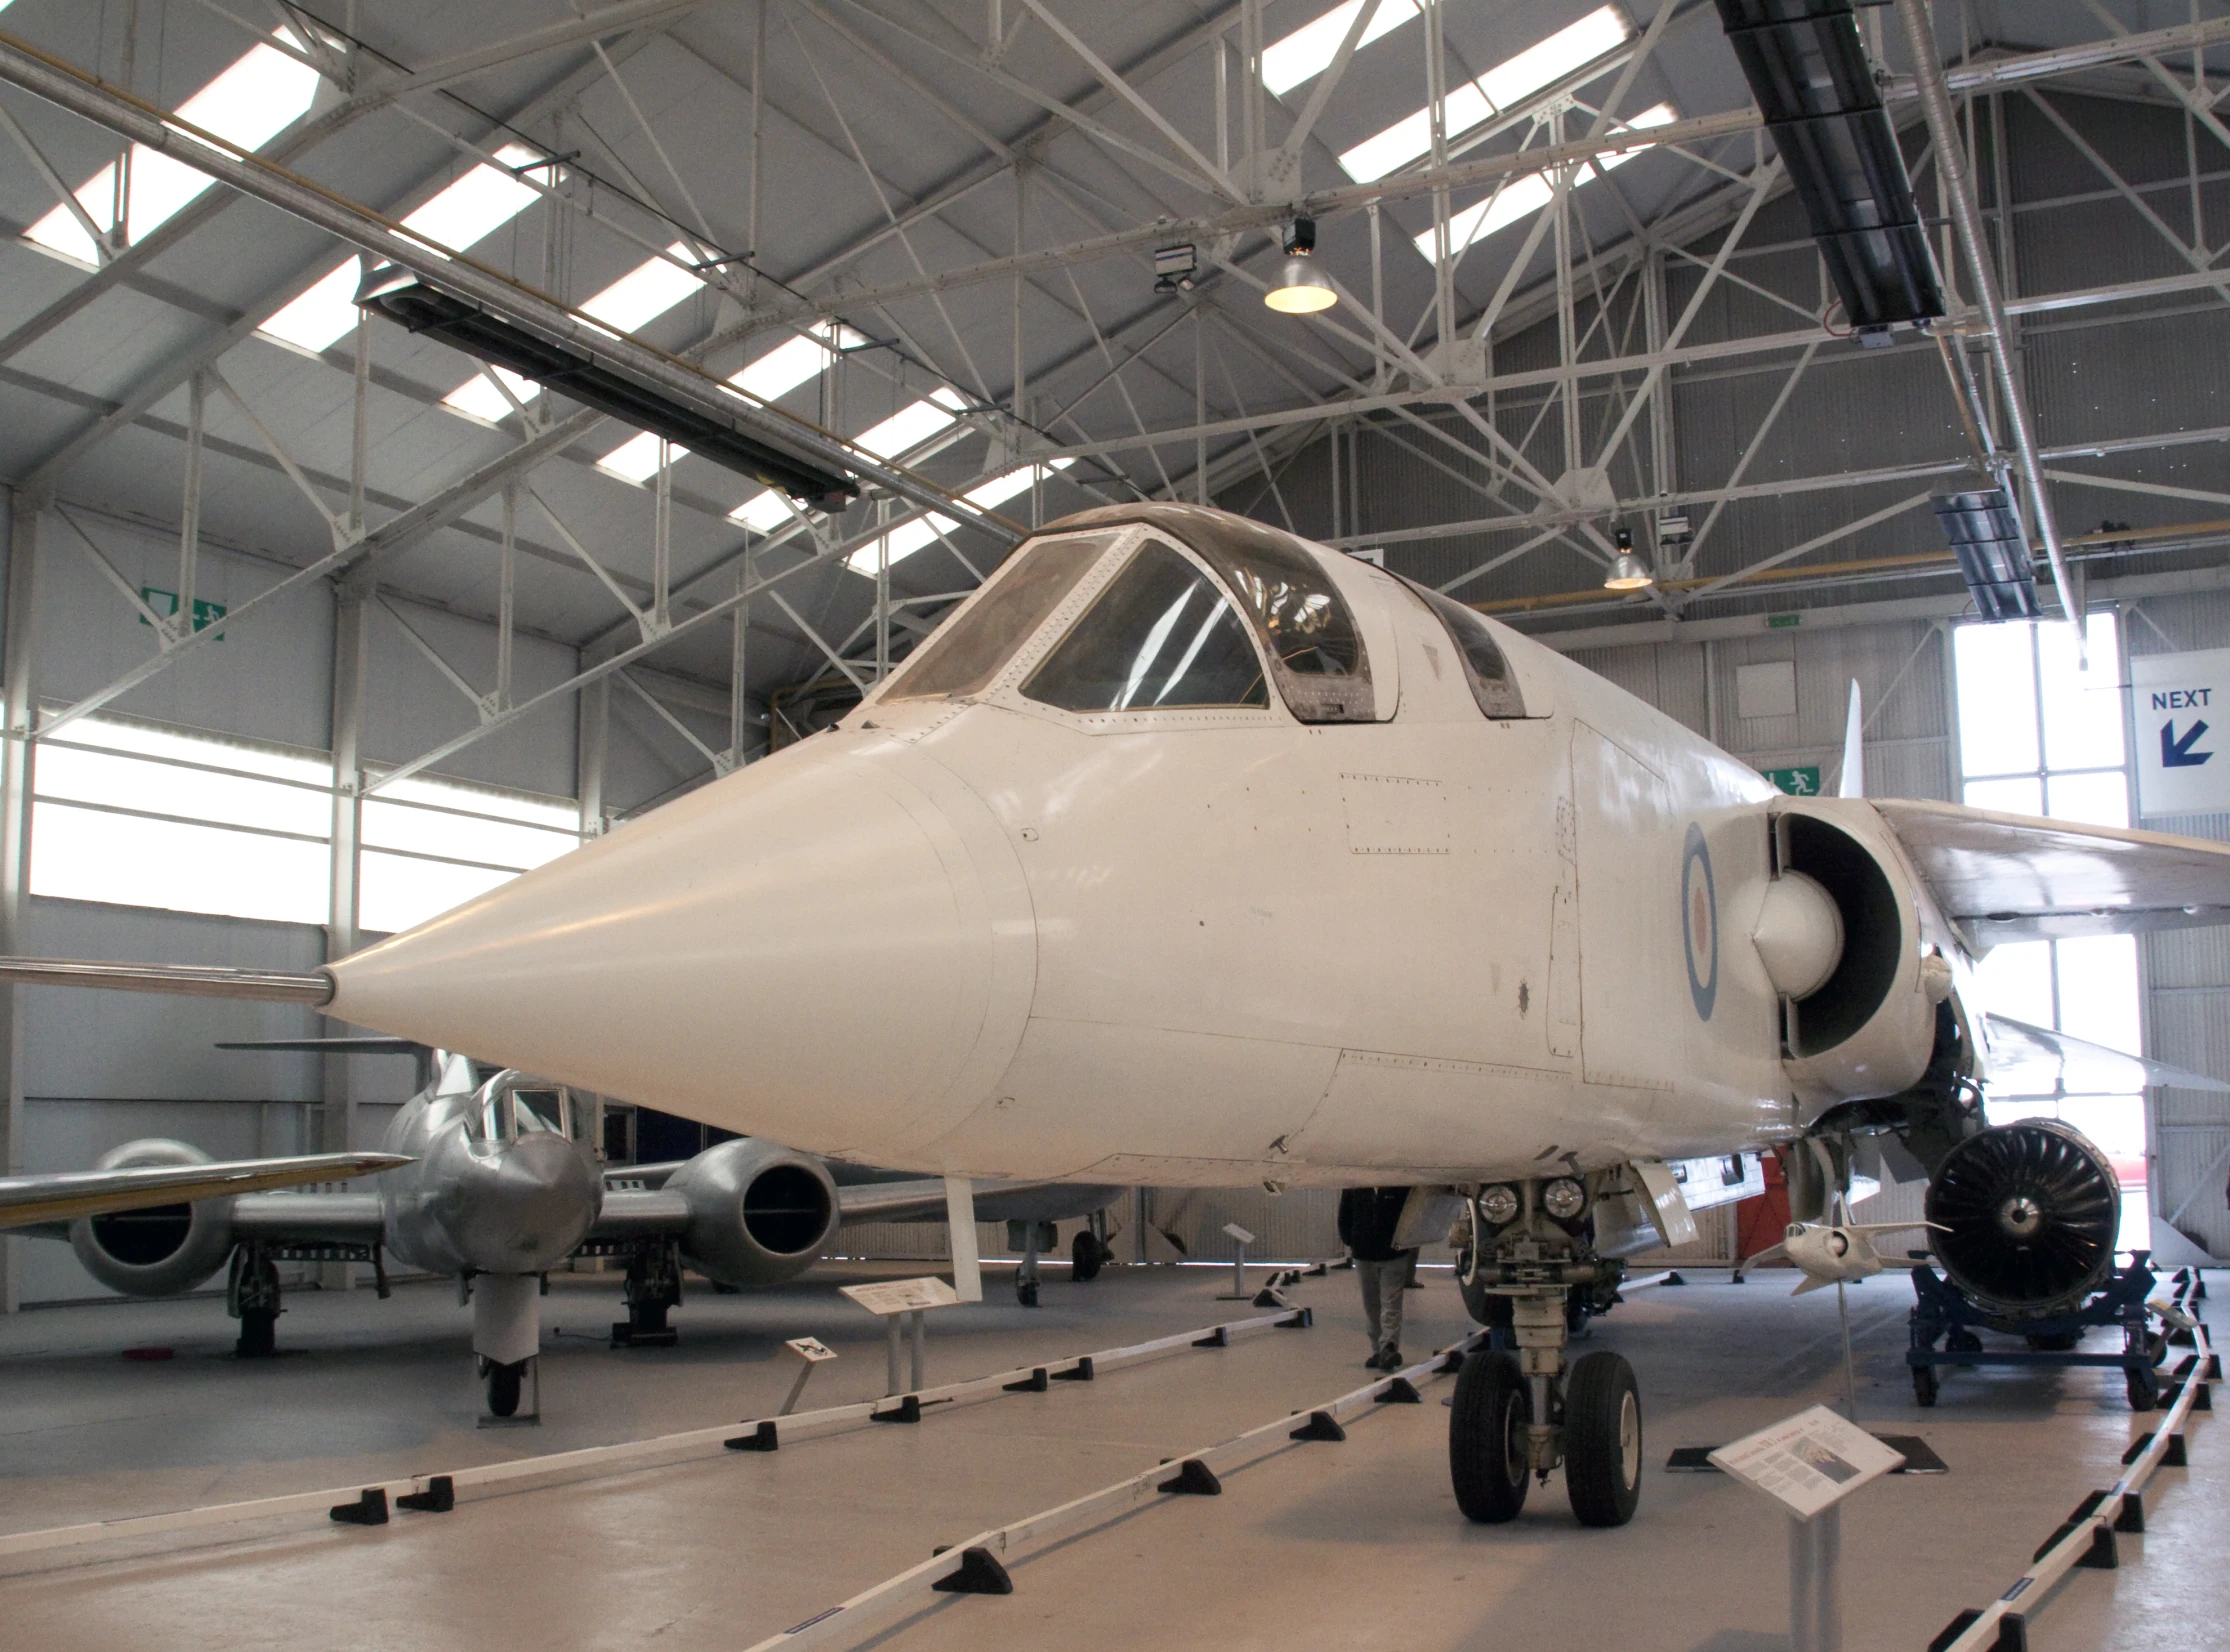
[
  {"x": 514, "y": 1104},
  {"x": 1206, "y": 610}
]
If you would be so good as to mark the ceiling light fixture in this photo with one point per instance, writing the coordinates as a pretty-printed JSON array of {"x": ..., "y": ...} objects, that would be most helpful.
[
  {"x": 1301, "y": 288},
  {"x": 1628, "y": 572}
]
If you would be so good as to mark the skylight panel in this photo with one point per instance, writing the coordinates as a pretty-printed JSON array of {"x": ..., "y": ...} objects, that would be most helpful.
[
  {"x": 911, "y": 426},
  {"x": 785, "y": 367},
  {"x": 477, "y": 204},
  {"x": 1308, "y": 51},
  {"x": 1504, "y": 86},
  {"x": 249, "y": 104},
  {"x": 1527, "y": 194},
  {"x": 645, "y": 293},
  {"x": 764, "y": 513},
  {"x": 637, "y": 457},
  {"x": 320, "y": 315},
  {"x": 909, "y": 537},
  {"x": 482, "y": 400}
]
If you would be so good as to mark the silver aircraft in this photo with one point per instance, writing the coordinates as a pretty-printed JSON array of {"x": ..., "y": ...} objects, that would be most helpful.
[
  {"x": 1188, "y": 852},
  {"x": 489, "y": 1177}
]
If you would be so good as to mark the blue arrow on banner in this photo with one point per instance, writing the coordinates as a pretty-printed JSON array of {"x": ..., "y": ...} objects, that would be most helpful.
[{"x": 2177, "y": 754}]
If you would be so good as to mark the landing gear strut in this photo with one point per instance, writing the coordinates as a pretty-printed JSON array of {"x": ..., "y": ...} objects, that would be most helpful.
[
  {"x": 252, "y": 1295},
  {"x": 1523, "y": 1415},
  {"x": 653, "y": 1286},
  {"x": 1029, "y": 1238}
]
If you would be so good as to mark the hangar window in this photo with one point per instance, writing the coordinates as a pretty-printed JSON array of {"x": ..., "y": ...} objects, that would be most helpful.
[
  {"x": 1484, "y": 664},
  {"x": 1160, "y": 636},
  {"x": 140, "y": 815},
  {"x": 965, "y": 654}
]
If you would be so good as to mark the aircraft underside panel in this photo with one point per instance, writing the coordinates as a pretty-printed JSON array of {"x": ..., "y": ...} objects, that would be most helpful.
[{"x": 1630, "y": 955}]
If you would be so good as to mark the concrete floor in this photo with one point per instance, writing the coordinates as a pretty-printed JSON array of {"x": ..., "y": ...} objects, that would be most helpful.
[{"x": 1353, "y": 1545}]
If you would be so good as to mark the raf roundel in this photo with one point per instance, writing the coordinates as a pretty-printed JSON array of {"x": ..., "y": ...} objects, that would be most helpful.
[{"x": 1699, "y": 922}]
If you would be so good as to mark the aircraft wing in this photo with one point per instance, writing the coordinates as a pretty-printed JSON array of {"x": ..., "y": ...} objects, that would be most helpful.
[
  {"x": 2036, "y": 1061},
  {"x": 635, "y": 1213},
  {"x": 27, "y": 1201},
  {"x": 309, "y": 1218},
  {"x": 923, "y": 1199},
  {"x": 2016, "y": 878}
]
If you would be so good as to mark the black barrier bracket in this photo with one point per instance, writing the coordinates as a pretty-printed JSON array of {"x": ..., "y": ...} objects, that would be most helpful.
[
  {"x": 2104, "y": 1554},
  {"x": 2177, "y": 1454},
  {"x": 2130, "y": 1517},
  {"x": 979, "y": 1574},
  {"x": 1081, "y": 1371},
  {"x": 439, "y": 1497},
  {"x": 763, "y": 1438},
  {"x": 1401, "y": 1391},
  {"x": 1955, "y": 1628},
  {"x": 1034, "y": 1383},
  {"x": 1322, "y": 1425},
  {"x": 1220, "y": 1337},
  {"x": 1193, "y": 1478},
  {"x": 369, "y": 1509},
  {"x": 1301, "y": 1320},
  {"x": 909, "y": 1411}
]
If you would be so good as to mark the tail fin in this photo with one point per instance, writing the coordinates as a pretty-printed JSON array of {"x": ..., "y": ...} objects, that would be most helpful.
[{"x": 1853, "y": 783}]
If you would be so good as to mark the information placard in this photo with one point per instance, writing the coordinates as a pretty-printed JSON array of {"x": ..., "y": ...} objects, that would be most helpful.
[
  {"x": 812, "y": 1350},
  {"x": 902, "y": 1296},
  {"x": 1808, "y": 1462}
]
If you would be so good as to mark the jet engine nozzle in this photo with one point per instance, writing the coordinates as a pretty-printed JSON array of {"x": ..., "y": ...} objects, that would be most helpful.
[
  {"x": 2029, "y": 1212},
  {"x": 758, "y": 1213},
  {"x": 1799, "y": 934},
  {"x": 161, "y": 1250}
]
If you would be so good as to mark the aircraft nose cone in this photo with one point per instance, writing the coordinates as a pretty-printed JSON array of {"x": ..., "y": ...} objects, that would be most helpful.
[
  {"x": 524, "y": 1206},
  {"x": 832, "y": 948}
]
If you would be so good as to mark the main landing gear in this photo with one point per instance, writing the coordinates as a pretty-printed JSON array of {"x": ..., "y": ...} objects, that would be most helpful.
[
  {"x": 1517, "y": 1416},
  {"x": 653, "y": 1287}
]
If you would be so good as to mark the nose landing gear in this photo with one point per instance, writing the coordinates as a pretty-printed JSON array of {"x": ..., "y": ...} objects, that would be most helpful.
[{"x": 1524, "y": 1415}]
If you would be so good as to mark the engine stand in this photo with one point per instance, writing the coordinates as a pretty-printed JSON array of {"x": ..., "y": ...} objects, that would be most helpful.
[{"x": 1942, "y": 1313}]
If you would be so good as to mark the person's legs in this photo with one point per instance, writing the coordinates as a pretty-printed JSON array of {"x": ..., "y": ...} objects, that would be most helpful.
[
  {"x": 1368, "y": 1275},
  {"x": 1393, "y": 1277}
]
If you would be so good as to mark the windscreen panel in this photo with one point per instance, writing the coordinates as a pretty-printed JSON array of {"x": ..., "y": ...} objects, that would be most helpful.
[
  {"x": 1485, "y": 666},
  {"x": 964, "y": 656},
  {"x": 1316, "y": 652},
  {"x": 1161, "y": 637}
]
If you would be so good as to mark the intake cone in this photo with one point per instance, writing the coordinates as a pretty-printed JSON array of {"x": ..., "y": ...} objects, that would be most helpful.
[{"x": 2031, "y": 1210}]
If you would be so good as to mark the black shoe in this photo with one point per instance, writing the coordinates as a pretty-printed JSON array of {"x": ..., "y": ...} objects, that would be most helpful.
[{"x": 1390, "y": 1360}]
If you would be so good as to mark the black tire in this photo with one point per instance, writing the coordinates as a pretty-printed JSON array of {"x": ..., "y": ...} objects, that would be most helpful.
[
  {"x": 503, "y": 1388},
  {"x": 2143, "y": 1387},
  {"x": 1602, "y": 1440},
  {"x": 1084, "y": 1257},
  {"x": 1027, "y": 1294},
  {"x": 2059, "y": 1342},
  {"x": 1926, "y": 1384},
  {"x": 259, "y": 1334},
  {"x": 1483, "y": 1307},
  {"x": 1487, "y": 1439}
]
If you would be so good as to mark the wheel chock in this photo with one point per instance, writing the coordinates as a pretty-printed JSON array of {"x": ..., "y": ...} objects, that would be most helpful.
[
  {"x": 1401, "y": 1391},
  {"x": 762, "y": 1438},
  {"x": 1322, "y": 1425},
  {"x": 1034, "y": 1383},
  {"x": 1081, "y": 1371},
  {"x": 979, "y": 1573},
  {"x": 1194, "y": 1478},
  {"x": 909, "y": 1411},
  {"x": 439, "y": 1497},
  {"x": 369, "y": 1509}
]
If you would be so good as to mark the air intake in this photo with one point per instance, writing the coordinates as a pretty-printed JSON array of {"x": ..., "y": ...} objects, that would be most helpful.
[
  {"x": 1809, "y": 77},
  {"x": 1992, "y": 552},
  {"x": 403, "y": 297}
]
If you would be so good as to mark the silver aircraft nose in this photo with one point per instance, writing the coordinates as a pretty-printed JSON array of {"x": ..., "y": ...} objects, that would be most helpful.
[
  {"x": 833, "y": 948},
  {"x": 521, "y": 1206}
]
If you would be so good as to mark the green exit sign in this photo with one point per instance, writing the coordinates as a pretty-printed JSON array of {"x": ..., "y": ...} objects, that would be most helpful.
[
  {"x": 1804, "y": 782},
  {"x": 1782, "y": 622},
  {"x": 165, "y": 603}
]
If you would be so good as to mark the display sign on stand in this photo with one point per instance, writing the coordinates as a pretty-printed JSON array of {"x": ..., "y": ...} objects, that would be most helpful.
[
  {"x": 891, "y": 1298},
  {"x": 811, "y": 1352},
  {"x": 1807, "y": 1464}
]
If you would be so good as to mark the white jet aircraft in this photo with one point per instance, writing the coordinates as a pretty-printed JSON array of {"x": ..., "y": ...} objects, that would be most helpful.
[{"x": 1189, "y": 852}]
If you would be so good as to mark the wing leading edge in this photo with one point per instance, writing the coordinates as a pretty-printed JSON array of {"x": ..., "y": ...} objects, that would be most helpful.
[
  {"x": 2016, "y": 878},
  {"x": 27, "y": 1201}
]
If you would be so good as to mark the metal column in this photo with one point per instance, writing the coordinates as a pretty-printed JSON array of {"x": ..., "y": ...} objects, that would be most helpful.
[{"x": 15, "y": 837}]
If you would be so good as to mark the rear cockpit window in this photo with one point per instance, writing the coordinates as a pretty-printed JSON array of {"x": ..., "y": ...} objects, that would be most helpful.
[
  {"x": 1316, "y": 653},
  {"x": 1484, "y": 664},
  {"x": 962, "y": 658},
  {"x": 1161, "y": 636}
]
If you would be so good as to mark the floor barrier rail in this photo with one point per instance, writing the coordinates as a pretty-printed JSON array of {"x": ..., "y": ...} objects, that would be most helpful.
[{"x": 368, "y": 1503}]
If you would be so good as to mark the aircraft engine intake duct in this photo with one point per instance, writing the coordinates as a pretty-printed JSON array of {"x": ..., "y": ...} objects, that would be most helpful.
[
  {"x": 158, "y": 1251},
  {"x": 2029, "y": 1212},
  {"x": 1839, "y": 936},
  {"x": 758, "y": 1213}
]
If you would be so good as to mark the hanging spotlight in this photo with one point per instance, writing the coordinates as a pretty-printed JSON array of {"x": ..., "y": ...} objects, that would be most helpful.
[
  {"x": 1628, "y": 572},
  {"x": 1301, "y": 288}
]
